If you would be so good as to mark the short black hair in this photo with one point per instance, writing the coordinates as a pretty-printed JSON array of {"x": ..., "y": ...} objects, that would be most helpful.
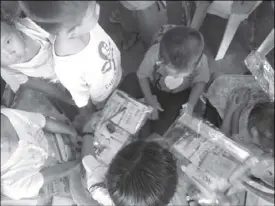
[
  {"x": 181, "y": 46},
  {"x": 142, "y": 173},
  {"x": 261, "y": 117},
  {"x": 52, "y": 15},
  {"x": 10, "y": 12}
]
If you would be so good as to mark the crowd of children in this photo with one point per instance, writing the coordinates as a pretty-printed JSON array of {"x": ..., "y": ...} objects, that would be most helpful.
[{"x": 59, "y": 48}]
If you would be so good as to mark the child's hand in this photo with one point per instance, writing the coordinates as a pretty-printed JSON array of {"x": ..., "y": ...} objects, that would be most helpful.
[
  {"x": 187, "y": 108},
  {"x": 156, "y": 108},
  {"x": 72, "y": 132},
  {"x": 239, "y": 99},
  {"x": 80, "y": 121}
]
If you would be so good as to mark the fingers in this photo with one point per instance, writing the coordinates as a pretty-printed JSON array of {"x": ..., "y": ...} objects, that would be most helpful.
[
  {"x": 154, "y": 115},
  {"x": 160, "y": 108}
]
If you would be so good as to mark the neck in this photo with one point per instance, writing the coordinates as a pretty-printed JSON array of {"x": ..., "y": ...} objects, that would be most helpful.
[{"x": 65, "y": 45}]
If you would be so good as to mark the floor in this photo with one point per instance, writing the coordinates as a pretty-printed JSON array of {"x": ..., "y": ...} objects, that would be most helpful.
[{"x": 212, "y": 29}]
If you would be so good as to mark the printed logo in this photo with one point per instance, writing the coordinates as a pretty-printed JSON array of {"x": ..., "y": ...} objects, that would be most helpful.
[{"x": 106, "y": 53}]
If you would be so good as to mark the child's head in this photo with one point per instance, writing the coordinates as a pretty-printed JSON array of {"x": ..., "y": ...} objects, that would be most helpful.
[
  {"x": 8, "y": 144},
  {"x": 261, "y": 126},
  {"x": 142, "y": 173},
  {"x": 73, "y": 18},
  {"x": 12, "y": 42},
  {"x": 180, "y": 50}
]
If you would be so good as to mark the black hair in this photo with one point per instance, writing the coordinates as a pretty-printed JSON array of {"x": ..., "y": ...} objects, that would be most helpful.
[
  {"x": 182, "y": 47},
  {"x": 142, "y": 173},
  {"x": 261, "y": 118},
  {"x": 10, "y": 12},
  {"x": 53, "y": 15}
]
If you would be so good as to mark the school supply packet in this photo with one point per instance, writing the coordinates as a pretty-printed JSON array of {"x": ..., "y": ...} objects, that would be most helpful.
[
  {"x": 210, "y": 159},
  {"x": 262, "y": 72}
]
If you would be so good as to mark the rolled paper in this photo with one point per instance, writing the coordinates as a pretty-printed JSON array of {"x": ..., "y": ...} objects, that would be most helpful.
[{"x": 262, "y": 72}]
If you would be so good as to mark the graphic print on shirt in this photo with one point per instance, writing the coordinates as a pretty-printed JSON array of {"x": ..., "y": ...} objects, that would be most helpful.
[{"x": 106, "y": 53}]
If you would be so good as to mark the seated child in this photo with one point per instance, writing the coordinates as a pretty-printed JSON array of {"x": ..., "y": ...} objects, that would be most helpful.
[
  {"x": 168, "y": 71},
  {"x": 247, "y": 117},
  {"x": 236, "y": 98},
  {"x": 28, "y": 159},
  {"x": 26, "y": 57},
  {"x": 87, "y": 61}
]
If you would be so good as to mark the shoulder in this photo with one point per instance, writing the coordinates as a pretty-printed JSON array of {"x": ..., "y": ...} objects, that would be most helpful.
[
  {"x": 28, "y": 26},
  {"x": 153, "y": 51},
  {"x": 148, "y": 61},
  {"x": 203, "y": 61},
  {"x": 159, "y": 34}
]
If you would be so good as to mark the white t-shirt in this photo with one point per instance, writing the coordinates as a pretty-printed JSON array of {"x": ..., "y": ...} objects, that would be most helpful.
[
  {"x": 41, "y": 65},
  {"x": 20, "y": 176},
  {"x": 94, "y": 72}
]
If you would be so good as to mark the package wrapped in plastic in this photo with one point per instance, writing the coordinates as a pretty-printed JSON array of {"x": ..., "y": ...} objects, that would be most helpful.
[
  {"x": 121, "y": 118},
  {"x": 125, "y": 112},
  {"x": 211, "y": 160},
  {"x": 262, "y": 71}
]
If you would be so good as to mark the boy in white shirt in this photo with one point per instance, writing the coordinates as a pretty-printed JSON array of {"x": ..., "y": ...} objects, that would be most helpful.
[{"x": 88, "y": 62}]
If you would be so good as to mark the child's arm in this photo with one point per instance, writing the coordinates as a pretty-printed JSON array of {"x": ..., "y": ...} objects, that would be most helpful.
[
  {"x": 84, "y": 115},
  {"x": 145, "y": 71},
  {"x": 58, "y": 171},
  {"x": 87, "y": 146},
  {"x": 196, "y": 92},
  {"x": 55, "y": 126},
  {"x": 49, "y": 89},
  {"x": 199, "y": 83},
  {"x": 150, "y": 98},
  {"x": 226, "y": 126},
  {"x": 235, "y": 121},
  {"x": 146, "y": 90}
]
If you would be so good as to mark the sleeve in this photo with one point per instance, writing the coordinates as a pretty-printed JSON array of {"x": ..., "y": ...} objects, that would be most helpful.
[
  {"x": 146, "y": 67},
  {"x": 13, "y": 79},
  {"x": 24, "y": 187},
  {"x": 78, "y": 89},
  {"x": 203, "y": 72},
  {"x": 32, "y": 118}
]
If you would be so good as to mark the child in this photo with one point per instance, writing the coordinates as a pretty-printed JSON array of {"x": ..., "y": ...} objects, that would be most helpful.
[
  {"x": 146, "y": 173},
  {"x": 257, "y": 134},
  {"x": 141, "y": 173},
  {"x": 28, "y": 161},
  {"x": 26, "y": 57},
  {"x": 248, "y": 118},
  {"x": 143, "y": 17},
  {"x": 169, "y": 69},
  {"x": 88, "y": 62},
  {"x": 234, "y": 97}
]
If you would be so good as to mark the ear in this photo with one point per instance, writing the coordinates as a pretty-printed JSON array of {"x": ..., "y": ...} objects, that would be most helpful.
[{"x": 72, "y": 32}]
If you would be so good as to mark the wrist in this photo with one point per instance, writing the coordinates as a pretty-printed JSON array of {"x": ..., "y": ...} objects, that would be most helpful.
[
  {"x": 87, "y": 133},
  {"x": 150, "y": 101}
]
